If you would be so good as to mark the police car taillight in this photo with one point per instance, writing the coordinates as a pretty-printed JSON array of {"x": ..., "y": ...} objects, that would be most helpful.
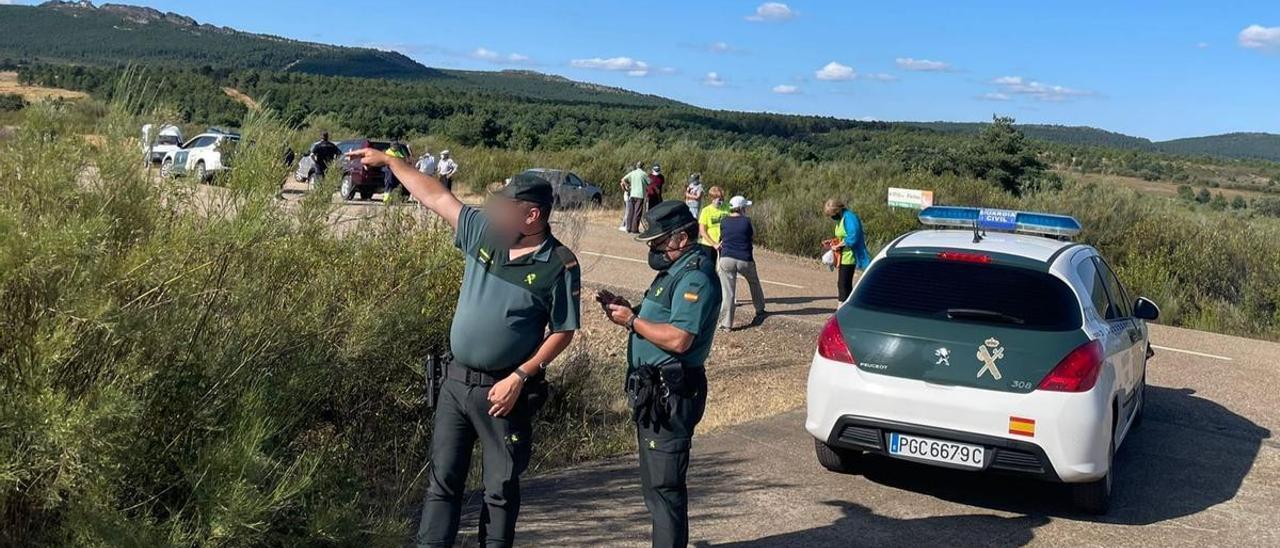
[
  {"x": 1077, "y": 372},
  {"x": 963, "y": 257},
  {"x": 831, "y": 343}
]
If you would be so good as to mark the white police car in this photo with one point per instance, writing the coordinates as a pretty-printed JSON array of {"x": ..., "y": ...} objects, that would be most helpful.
[{"x": 986, "y": 342}]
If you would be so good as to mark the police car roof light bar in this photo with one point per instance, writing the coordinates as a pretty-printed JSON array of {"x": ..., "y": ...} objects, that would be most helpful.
[{"x": 1001, "y": 220}]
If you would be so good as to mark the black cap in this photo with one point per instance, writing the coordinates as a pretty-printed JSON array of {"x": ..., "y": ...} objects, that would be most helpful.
[
  {"x": 529, "y": 188},
  {"x": 666, "y": 218}
]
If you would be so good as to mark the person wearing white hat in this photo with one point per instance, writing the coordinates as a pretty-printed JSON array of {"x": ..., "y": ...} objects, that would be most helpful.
[
  {"x": 737, "y": 240},
  {"x": 446, "y": 169}
]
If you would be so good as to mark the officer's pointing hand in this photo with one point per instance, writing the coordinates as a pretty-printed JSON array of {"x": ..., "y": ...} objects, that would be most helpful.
[
  {"x": 370, "y": 157},
  {"x": 620, "y": 313}
]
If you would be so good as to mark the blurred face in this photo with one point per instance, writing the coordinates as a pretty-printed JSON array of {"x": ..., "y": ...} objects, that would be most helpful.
[{"x": 513, "y": 218}]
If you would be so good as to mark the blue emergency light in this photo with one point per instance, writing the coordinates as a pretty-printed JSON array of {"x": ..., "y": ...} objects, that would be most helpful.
[{"x": 1000, "y": 220}]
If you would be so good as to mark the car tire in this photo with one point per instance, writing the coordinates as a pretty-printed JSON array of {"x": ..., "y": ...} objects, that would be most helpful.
[
  {"x": 202, "y": 174},
  {"x": 836, "y": 459},
  {"x": 347, "y": 189},
  {"x": 597, "y": 201},
  {"x": 166, "y": 168},
  {"x": 366, "y": 195},
  {"x": 1094, "y": 497}
]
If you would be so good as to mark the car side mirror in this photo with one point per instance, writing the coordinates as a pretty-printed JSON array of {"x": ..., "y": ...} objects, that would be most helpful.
[{"x": 1144, "y": 309}]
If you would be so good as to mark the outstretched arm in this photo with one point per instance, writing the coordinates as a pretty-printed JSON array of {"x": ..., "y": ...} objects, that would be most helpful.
[{"x": 426, "y": 189}]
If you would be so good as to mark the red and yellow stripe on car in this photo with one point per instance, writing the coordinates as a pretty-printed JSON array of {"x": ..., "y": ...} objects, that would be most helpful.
[{"x": 1022, "y": 427}]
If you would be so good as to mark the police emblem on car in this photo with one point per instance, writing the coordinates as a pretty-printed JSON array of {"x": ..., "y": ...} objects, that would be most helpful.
[{"x": 1056, "y": 381}]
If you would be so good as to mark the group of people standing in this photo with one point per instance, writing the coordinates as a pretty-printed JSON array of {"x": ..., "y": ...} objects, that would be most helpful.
[{"x": 724, "y": 231}]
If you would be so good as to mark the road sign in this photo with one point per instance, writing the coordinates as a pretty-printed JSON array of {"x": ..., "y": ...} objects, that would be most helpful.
[{"x": 910, "y": 198}]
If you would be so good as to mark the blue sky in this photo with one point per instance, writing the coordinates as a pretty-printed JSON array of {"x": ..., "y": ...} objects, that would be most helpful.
[{"x": 1157, "y": 69}]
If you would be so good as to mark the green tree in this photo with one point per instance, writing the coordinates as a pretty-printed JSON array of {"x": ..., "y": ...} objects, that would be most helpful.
[
  {"x": 1203, "y": 196},
  {"x": 1239, "y": 202},
  {"x": 1002, "y": 155},
  {"x": 1185, "y": 192}
]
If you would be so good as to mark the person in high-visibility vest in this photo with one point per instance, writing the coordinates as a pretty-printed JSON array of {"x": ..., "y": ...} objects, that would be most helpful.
[{"x": 850, "y": 247}]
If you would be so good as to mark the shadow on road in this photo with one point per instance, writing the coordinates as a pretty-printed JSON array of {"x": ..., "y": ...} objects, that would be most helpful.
[
  {"x": 1188, "y": 455},
  {"x": 859, "y": 526},
  {"x": 602, "y": 505}
]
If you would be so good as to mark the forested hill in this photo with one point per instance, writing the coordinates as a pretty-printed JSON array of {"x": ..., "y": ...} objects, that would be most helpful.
[
  {"x": 115, "y": 34},
  {"x": 1067, "y": 135},
  {"x": 1252, "y": 146}
]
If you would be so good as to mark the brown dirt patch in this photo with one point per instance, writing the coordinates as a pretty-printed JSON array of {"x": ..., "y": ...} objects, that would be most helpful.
[{"x": 9, "y": 84}]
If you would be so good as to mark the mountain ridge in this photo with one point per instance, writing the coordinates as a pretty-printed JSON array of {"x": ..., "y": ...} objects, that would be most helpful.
[{"x": 119, "y": 33}]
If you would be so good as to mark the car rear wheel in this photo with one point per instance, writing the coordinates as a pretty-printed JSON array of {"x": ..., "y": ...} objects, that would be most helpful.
[
  {"x": 596, "y": 201},
  {"x": 836, "y": 459},
  {"x": 202, "y": 175},
  {"x": 1095, "y": 497},
  {"x": 166, "y": 168},
  {"x": 366, "y": 195},
  {"x": 347, "y": 189}
]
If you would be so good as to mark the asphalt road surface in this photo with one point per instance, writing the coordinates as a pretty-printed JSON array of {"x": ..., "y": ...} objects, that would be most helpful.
[{"x": 1202, "y": 470}]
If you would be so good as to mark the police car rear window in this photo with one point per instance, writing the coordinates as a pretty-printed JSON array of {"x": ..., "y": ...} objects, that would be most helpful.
[{"x": 969, "y": 292}]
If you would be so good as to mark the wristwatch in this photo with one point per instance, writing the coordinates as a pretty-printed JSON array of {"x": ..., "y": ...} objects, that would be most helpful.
[
  {"x": 524, "y": 377},
  {"x": 631, "y": 324}
]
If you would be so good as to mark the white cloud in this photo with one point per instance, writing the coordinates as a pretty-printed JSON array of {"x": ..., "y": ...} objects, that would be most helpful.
[
  {"x": 719, "y": 47},
  {"x": 1017, "y": 85},
  {"x": 772, "y": 11},
  {"x": 879, "y": 77},
  {"x": 784, "y": 89},
  {"x": 632, "y": 67},
  {"x": 1202, "y": 45},
  {"x": 922, "y": 65},
  {"x": 995, "y": 96},
  {"x": 714, "y": 80},
  {"x": 834, "y": 71},
  {"x": 1260, "y": 37},
  {"x": 486, "y": 54}
]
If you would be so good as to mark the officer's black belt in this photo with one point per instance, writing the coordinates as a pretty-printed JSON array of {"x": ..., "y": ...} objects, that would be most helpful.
[{"x": 473, "y": 377}]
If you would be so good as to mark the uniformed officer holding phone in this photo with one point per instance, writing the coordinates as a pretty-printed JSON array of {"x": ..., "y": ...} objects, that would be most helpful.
[{"x": 671, "y": 332}]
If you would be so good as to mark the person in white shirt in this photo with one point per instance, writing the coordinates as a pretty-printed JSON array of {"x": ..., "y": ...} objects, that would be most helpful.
[
  {"x": 447, "y": 169},
  {"x": 693, "y": 194},
  {"x": 427, "y": 164}
]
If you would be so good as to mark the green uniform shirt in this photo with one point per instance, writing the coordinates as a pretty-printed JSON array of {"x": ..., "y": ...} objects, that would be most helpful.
[
  {"x": 711, "y": 217},
  {"x": 687, "y": 295},
  {"x": 505, "y": 307}
]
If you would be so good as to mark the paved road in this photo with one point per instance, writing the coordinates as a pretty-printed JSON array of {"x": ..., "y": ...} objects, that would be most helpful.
[{"x": 1203, "y": 469}]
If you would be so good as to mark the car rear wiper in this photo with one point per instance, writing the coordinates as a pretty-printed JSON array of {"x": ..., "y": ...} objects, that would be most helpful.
[{"x": 976, "y": 313}]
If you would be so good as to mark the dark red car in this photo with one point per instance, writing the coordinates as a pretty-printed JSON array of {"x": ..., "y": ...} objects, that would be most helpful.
[{"x": 356, "y": 178}]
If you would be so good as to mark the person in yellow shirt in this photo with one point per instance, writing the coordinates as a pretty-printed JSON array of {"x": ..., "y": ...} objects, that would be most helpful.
[{"x": 709, "y": 222}]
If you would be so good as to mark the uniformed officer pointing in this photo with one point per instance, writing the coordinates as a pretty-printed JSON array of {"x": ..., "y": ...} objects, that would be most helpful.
[
  {"x": 671, "y": 334},
  {"x": 517, "y": 310}
]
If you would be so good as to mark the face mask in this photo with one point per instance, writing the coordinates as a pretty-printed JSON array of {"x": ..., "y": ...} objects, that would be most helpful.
[{"x": 658, "y": 259}]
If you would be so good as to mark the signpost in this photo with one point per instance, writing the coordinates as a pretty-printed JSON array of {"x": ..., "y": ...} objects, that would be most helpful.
[{"x": 910, "y": 198}]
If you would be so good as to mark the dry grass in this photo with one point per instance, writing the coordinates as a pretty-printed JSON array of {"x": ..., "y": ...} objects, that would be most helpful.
[
  {"x": 241, "y": 97},
  {"x": 9, "y": 84},
  {"x": 1158, "y": 188}
]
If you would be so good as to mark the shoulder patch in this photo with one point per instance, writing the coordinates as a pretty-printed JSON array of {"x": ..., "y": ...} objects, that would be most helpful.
[
  {"x": 691, "y": 296},
  {"x": 567, "y": 257}
]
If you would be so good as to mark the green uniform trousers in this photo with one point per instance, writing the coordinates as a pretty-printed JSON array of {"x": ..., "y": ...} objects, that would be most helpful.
[
  {"x": 664, "y": 461},
  {"x": 462, "y": 416}
]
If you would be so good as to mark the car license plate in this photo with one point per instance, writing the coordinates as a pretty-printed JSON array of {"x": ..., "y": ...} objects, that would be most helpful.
[{"x": 949, "y": 452}]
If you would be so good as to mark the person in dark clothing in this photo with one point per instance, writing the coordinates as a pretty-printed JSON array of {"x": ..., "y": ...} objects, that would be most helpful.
[
  {"x": 653, "y": 192},
  {"x": 323, "y": 152},
  {"x": 737, "y": 258}
]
